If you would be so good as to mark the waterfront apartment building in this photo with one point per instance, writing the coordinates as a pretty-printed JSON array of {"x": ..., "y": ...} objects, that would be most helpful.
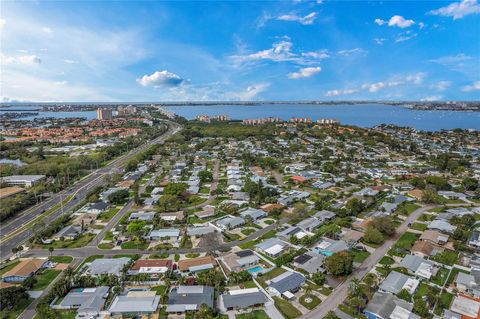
[
  {"x": 301, "y": 120},
  {"x": 328, "y": 121},
  {"x": 104, "y": 114},
  {"x": 203, "y": 118}
]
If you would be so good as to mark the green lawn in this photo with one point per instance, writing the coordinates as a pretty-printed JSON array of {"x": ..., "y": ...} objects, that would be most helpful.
[
  {"x": 45, "y": 278},
  {"x": 409, "y": 208},
  {"x": 263, "y": 278},
  {"x": 89, "y": 259},
  {"x": 61, "y": 259},
  {"x": 106, "y": 246},
  {"x": 326, "y": 291},
  {"x": 386, "y": 261},
  {"x": 80, "y": 241},
  {"x": 134, "y": 244},
  {"x": 454, "y": 274},
  {"x": 256, "y": 314},
  {"x": 108, "y": 214},
  {"x": 269, "y": 221},
  {"x": 440, "y": 277},
  {"x": 418, "y": 226},
  {"x": 312, "y": 304},
  {"x": 68, "y": 314},
  {"x": 407, "y": 240},
  {"x": 359, "y": 255},
  {"x": 286, "y": 308},
  {"x": 15, "y": 313},
  {"x": 447, "y": 257},
  {"x": 248, "y": 231},
  {"x": 230, "y": 236},
  {"x": 159, "y": 289},
  {"x": 443, "y": 303},
  {"x": 192, "y": 255},
  {"x": 8, "y": 267},
  {"x": 427, "y": 217}
]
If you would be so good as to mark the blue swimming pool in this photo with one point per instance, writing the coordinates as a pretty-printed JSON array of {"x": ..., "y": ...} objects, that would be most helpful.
[{"x": 255, "y": 269}]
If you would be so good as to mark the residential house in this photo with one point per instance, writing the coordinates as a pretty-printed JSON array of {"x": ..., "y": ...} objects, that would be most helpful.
[
  {"x": 151, "y": 266},
  {"x": 145, "y": 216},
  {"x": 286, "y": 284},
  {"x": 465, "y": 307},
  {"x": 164, "y": 233},
  {"x": 89, "y": 302},
  {"x": 239, "y": 261},
  {"x": 253, "y": 213},
  {"x": 272, "y": 247},
  {"x": 23, "y": 270},
  {"x": 468, "y": 284},
  {"x": 384, "y": 305},
  {"x": 200, "y": 230},
  {"x": 196, "y": 264},
  {"x": 97, "y": 207},
  {"x": 241, "y": 298},
  {"x": 172, "y": 216},
  {"x": 474, "y": 240},
  {"x": 309, "y": 224},
  {"x": 397, "y": 281},
  {"x": 229, "y": 222},
  {"x": 311, "y": 262},
  {"x": 207, "y": 212},
  {"x": 419, "y": 267},
  {"x": 112, "y": 266},
  {"x": 434, "y": 237},
  {"x": 324, "y": 216},
  {"x": 135, "y": 304},
  {"x": 328, "y": 247},
  {"x": 292, "y": 231},
  {"x": 189, "y": 298},
  {"x": 69, "y": 232},
  {"x": 441, "y": 225}
]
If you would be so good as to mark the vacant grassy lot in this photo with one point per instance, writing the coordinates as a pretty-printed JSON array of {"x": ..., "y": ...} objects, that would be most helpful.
[
  {"x": 45, "y": 278},
  {"x": 256, "y": 314},
  {"x": 309, "y": 305},
  {"x": 418, "y": 226},
  {"x": 61, "y": 259},
  {"x": 108, "y": 214},
  {"x": 286, "y": 308},
  {"x": 407, "y": 240}
]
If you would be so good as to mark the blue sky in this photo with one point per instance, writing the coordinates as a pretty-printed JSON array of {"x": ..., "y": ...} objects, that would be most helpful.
[{"x": 289, "y": 50}]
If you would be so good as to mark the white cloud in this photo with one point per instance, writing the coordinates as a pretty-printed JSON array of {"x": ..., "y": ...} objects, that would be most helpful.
[
  {"x": 374, "y": 87},
  {"x": 306, "y": 20},
  {"x": 450, "y": 60},
  {"x": 305, "y": 73},
  {"x": 380, "y": 21},
  {"x": 475, "y": 86},
  {"x": 401, "y": 22},
  {"x": 402, "y": 37},
  {"x": 2, "y": 23},
  {"x": 352, "y": 52},
  {"x": 281, "y": 51},
  {"x": 47, "y": 30},
  {"x": 421, "y": 25},
  {"x": 458, "y": 10},
  {"x": 332, "y": 93},
  {"x": 441, "y": 85},
  {"x": 21, "y": 59},
  {"x": 161, "y": 78},
  {"x": 431, "y": 98},
  {"x": 249, "y": 93},
  {"x": 68, "y": 61},
  {"x": 379, "y": 41}
]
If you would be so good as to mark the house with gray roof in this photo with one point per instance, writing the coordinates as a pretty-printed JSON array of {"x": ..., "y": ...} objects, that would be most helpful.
[
  {"x": 441, "y": 225},
  {"x": 289, "y": 282},
  {"x": 112, "y": 266},
  {"x": 170, "y": 233},
  {"x": 324, "y": 215},
  {"x": 397, "y": 281},
  {"x": 467, "y": 283},
  {"x": 189, "y": 298},
  {"x": 291, "y": 231},
  {"x": 384, "y": 305},
  {"x": 253, "y": 213},
  {"x": 145, "y": 216},
  {"x": 328, "y": 247},
  {"x": 229, "y": 222},
  {"x": 135, "y": 303},
  {"x": 309, "y": 224},
  {"x": 311, "y": 262},
  {"x": 88, "y": 301},
  {"x": 68, "y": 232},
  {"x": 241, "y": 298},
  {"x": 272, "y": 247},
  {"x": 419, "y": 267},
  {"x": 200, "y": 230}
]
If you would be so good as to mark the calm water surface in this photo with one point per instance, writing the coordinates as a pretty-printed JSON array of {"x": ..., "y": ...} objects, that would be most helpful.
[{"x": 364, "y": 115}]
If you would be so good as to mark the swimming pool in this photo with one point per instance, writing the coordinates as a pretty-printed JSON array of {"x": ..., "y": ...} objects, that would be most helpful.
[{"x": 255, "y": 269}]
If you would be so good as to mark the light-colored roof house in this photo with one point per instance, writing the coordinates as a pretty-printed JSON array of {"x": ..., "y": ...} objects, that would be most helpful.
[
  {"x": 189, "y": 298},
  {"x": 135, "y": 302},
  {"x": 241, "y": 298},
  {"x": 112, "y": 266}
]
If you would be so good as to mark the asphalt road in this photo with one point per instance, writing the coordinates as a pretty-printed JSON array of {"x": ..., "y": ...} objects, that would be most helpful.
[{"x": 15, "y": 232}]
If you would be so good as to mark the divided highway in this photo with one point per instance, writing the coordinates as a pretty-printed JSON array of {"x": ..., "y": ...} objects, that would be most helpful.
[{"x": 16, "y": 231}]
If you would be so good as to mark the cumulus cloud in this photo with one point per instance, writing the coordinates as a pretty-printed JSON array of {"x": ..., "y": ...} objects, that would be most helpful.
[
  {"x": 2, "y": 23},
  {"x": 475, "y": 86},
  {"x": 333, "y": 93},
  {"x": 281, "y": 51},
  {"x": 21, "y": 59},
  {"x": 161, "y": 78},
  {"x": 431, "y": 98},
  {"x": 441, "y": 85},
  {"x": 305, "y": 73},
  {"x": 380, "y": 21},
  {"x": 458, "y": 10},
  {"x": 399, "y": 21},
  {"x": 306, "y": 20},
  {"x": 354, "y": 51},
  {"x": 249, "y": 93}
]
